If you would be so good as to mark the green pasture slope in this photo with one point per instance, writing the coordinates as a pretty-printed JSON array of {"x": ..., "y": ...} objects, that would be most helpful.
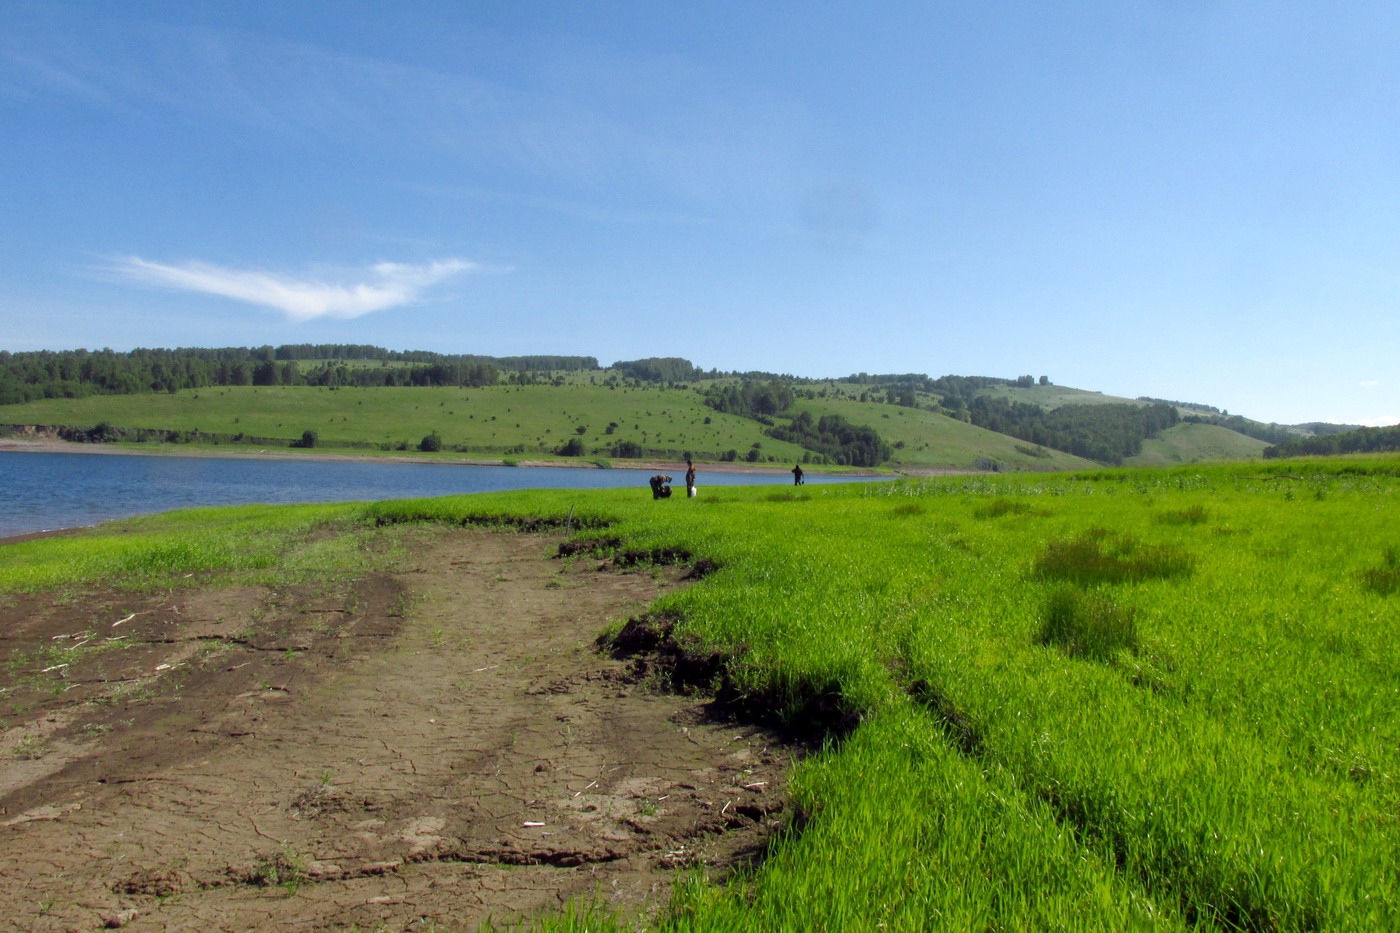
[
  {"x": 1130, "y": 699},
  {"x": 530, "y": 420},
  {"x": 1191, "y": 443},
  {"x": 496, "y": 419},
  {"x": 935, "y": 441},
  {"x": 1053, "y": 396}
]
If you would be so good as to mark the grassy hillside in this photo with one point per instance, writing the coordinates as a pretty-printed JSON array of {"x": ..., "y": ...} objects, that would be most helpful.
[
  {"x": 497, "y": 419},
  {"x": 933, "y": 441},
  {"x": 531, "y": 420},
  {"x": 1052, "y": 396},
  {"x": 1193, "y": 443},
  {"x": 536, "y": 420},
  {"x": 1114, "y": 700}
]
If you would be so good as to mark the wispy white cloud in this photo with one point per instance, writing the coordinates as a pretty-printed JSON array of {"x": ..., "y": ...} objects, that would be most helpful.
[
  {"x": 384, "y": 285},
  {"x": 1369, "y": 383},
  {"x": 585, "y": 118}
]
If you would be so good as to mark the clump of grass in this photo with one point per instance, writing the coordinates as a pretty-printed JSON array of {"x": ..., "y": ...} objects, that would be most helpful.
[
  {"x": 1096, "y": 556},
  {"x": 1194, "y": 515},
  {"x": 1087, "y": 625},
  {"x": 999, "y": 507},
  {"x": 284, "y": 869},
  {"x": 908, "y": 508},
  {"x": 1384, "y": 579}
]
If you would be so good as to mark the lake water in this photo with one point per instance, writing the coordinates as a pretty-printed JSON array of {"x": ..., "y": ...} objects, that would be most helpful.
[{"x": 48, "y": 491}]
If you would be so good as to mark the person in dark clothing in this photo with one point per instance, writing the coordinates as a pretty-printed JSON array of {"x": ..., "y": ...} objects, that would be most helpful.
[
  {"x": 690, "y": 479},
  {"x": 797, "y": 475},
  {"x": 659, "y": 486}
]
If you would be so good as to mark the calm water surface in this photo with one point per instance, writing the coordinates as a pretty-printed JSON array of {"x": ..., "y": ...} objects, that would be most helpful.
[{"x": 47, "y": 491}]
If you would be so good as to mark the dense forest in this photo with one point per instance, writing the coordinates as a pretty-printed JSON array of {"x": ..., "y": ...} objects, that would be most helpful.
[
  {"x": 659, "y": 369},
  {"x": 1362, "y": 440},
  {"x": 751, "y": 399},
  {"x": 836, "y": 439},
  {"x": 1107, "y": 433},
  {"x": 77, "y": 373}
]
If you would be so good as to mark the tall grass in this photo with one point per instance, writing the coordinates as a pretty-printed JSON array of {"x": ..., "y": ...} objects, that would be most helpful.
[{"x": 171, "y": 549}]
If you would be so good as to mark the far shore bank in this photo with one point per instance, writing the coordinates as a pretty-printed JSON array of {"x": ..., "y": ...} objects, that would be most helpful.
[{"x": 273, "y": 453}]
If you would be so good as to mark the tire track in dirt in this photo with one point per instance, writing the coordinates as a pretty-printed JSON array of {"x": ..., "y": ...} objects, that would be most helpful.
[{"x": 328, "y": 764}]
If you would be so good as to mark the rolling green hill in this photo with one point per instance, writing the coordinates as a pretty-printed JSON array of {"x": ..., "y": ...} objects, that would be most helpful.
[
  {"x": 492, "y": 420},
  {"x": 1053, "y": 396},
  {"x": 1194, "y": 443},
  {"x": 935, "y": 441},
  {"x": 585, "y": 412}
]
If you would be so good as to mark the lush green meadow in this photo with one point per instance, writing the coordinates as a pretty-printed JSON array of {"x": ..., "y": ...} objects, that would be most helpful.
[{"x": 1122, "y": 699}]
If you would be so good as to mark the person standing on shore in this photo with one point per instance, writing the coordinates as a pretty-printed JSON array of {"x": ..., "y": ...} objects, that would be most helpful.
[
  {"x": 689, "y": 479},
  {"x": 797, "y": 475}
]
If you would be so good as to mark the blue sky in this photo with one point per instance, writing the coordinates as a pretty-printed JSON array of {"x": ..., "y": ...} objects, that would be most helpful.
[{"x": 1188, "y": 199}]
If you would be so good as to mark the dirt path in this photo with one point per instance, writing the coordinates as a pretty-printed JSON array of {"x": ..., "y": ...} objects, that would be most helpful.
[{"x": 440, "y": 744}]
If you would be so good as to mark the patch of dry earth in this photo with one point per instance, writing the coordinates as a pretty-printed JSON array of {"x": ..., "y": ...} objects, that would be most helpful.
[{"x": 245, "y": 760}]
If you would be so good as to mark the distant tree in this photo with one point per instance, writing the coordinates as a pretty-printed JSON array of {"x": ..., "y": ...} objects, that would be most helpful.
[
  {"x": 308, "y": 439},
  {"x": 835, "y": 437},
  {"x": 432, "y": 443},
  {"x": 659, "y": 369},
  {"x": 573, "y": 448},
  {"x": 1362, "y": 440}
]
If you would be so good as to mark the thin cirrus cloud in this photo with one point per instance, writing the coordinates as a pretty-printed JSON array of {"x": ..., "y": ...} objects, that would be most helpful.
[{"x": 384, "y": 285}]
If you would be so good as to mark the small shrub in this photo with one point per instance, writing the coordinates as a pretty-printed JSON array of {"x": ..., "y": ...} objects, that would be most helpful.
[
  {"x": 1098, "y": 557},
  {"x": 431, "y": 444},
  {"x": 999, "y": 507},
  {"x": 988, "y": 464},
  {"x": 1384, "y": 579},
  {"x": 1087, "y": 625}
]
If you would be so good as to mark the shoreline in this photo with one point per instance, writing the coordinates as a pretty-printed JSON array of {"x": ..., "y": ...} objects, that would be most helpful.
[{"x": 271, "y": 453}]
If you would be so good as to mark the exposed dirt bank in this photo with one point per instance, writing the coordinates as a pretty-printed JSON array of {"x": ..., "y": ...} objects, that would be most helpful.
[{"x": 441, "y": 743}]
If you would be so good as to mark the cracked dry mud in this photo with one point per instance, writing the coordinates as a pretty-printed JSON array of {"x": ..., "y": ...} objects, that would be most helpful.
[{"x": 243, "y": 759}]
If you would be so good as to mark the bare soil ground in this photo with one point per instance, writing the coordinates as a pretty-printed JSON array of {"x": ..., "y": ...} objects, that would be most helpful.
[{"x": 437, "y": 745}]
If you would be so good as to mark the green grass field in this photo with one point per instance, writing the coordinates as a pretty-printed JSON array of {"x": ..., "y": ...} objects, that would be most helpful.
[{"x": 1112, "y": 700}]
